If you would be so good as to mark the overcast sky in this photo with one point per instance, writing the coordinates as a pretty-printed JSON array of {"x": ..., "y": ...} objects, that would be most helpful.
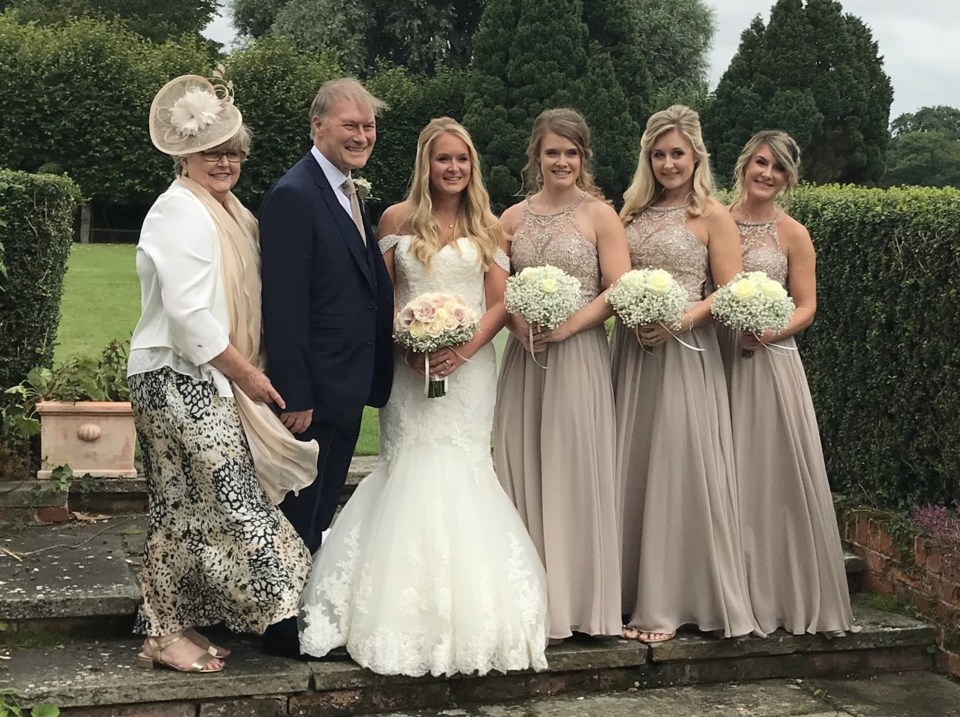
[{"x": 919, "y": 41}]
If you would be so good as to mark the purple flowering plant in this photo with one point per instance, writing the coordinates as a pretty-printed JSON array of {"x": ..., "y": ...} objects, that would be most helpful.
[{"x": 942, "y": 524}]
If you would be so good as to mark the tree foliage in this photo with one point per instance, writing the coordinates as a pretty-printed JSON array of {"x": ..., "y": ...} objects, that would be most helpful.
[
  {"x": 816, "y": 73},
  {"x": 674, "y": 37},
  {"x": 530, "y": 57},
  {"x": 253, "y": 18},
  {"x": 928, "y": 119},
  {"x": 616, "y": 28},
  {"x": 420, "y": 35},
  {"x": 156, "y": 20},
  {"x": 925, "y": 149},
  {"x": 923, "y": 159},
  {"x": 616, "y": 135},
  {"x": 275, "y": 85}
]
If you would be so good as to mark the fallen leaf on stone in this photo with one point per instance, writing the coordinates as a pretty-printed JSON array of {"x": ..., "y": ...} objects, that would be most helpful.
[{"x": 87, "y": 517}]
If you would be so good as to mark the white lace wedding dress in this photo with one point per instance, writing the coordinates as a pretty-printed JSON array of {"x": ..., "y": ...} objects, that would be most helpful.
[{"x": 428, "y": 568}]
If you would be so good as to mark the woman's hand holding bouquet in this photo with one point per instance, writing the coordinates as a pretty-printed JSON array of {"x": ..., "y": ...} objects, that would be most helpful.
[{"x": 431, "y": 322}]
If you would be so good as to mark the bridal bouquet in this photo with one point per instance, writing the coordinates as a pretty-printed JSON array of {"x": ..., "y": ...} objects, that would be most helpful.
[
  {"x": 754, "y": 303},
  {"x": 648, "y": 296},
  {"x": 433, "y": 321},
  {"x": 543, "y": 295}
]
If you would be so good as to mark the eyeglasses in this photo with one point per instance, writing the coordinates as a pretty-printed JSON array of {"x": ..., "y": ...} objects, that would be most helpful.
[{"x": 233, "y": 155}]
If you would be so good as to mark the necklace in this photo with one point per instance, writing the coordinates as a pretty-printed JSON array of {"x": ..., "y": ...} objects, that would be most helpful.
[{"x": 444, "y": 223}]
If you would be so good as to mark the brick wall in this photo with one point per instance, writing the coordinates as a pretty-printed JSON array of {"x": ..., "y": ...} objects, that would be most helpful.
[{"x": 915, "y": 572}]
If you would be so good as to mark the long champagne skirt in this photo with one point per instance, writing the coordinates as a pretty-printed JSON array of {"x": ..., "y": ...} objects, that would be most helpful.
[
  {"x": 791, "y": 543},
  {"x": 554, "y": 453},
  {"x": 681, "y": 556}
]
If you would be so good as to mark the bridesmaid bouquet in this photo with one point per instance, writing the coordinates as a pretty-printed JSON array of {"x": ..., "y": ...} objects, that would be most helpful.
[
  {"x": 543, "y": 295},
  {"x": 648, "y": 296},
  {"x": 754, "y": 303},
  {"x": 433, "y": 321}
]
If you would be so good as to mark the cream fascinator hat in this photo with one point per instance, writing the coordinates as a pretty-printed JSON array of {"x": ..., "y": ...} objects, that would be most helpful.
[{"x": 193, "y": 114}]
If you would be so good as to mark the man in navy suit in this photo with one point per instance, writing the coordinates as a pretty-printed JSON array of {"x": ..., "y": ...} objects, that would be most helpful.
[{"x": 327, "y": 305}]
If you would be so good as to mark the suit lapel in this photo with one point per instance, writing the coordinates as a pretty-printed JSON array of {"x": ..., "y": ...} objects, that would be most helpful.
[{"x": 345, "y": 227}]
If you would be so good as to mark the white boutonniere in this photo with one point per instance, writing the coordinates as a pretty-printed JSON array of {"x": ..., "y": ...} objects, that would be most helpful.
[{"x": 364, "y": 189}]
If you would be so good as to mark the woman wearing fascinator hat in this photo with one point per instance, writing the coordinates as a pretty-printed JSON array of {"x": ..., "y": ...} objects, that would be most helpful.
[{"x": 216, "y": 457}]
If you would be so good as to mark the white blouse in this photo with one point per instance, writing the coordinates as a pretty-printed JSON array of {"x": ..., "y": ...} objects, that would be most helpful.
[{"x": 184, "y": 320}]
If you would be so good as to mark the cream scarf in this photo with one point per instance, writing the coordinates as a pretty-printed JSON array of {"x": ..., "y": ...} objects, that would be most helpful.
[{"x": 282, "y": 462}]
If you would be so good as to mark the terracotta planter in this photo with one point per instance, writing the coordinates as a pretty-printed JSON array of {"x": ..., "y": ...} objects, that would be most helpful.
[{"x": 94, "y": 438}]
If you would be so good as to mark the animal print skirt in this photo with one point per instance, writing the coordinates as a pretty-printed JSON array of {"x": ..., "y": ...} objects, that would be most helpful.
[{"x": 216, "y": 549}]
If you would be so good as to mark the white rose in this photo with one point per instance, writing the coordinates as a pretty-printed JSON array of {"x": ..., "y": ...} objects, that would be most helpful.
[
  {"x": 773, "y": 290},
  {"x": 659, "y": 282},
  {"x": 744, "y": 289}
]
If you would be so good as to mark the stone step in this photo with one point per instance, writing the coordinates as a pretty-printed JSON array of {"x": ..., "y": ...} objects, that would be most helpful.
[
  {"x": 98, "y": 677},
  {"x": 81, "y": 577},
  {"x": 910, "y": 694},
  {"x": 75, "y": 578}
]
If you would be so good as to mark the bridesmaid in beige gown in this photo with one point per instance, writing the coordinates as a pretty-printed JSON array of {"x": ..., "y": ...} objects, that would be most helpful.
[
  {"x": 791, "y": 543},
  {"x": 681, "y": 556},
  {"x": 554, "y": 427}
]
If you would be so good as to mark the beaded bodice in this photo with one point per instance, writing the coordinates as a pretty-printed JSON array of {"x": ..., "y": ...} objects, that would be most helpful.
[
  {"x": 760, "y": 249},
  {"x": 660, "y": 239},
  {"x": 558, "y": 240}
]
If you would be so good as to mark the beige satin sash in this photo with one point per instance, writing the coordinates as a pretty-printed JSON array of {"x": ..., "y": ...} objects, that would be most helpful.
[{"x": 282, "y": 462}]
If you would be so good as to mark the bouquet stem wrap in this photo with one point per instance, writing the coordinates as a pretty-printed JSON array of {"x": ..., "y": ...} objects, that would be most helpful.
[{"x": 432, "y": 387}]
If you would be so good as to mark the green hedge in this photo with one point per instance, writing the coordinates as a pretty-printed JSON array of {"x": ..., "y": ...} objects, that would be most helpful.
[
  {"x": 883, "y": 356},
  {"x": 36, "y": 229},
  {"x": 75, "y": 99}
]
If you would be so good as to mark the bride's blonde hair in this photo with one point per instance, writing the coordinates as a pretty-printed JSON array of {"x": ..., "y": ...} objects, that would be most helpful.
[{"x": 474, "y": 218}]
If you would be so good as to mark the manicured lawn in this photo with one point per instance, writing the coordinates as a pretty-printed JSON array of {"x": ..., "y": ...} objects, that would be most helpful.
[{"x": 101, "y": 299}]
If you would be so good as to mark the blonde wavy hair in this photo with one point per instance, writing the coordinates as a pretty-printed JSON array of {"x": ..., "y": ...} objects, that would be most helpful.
[
  {"x": 570, "y": 125},
  {"x": 645, "y": 189},
  {"x": 474, "y": 218},
  {"x": 785, "y": 151}
]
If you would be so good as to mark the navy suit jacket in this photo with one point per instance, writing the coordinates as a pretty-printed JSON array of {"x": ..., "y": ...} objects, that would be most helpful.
[{"x": 327, "y": 301}]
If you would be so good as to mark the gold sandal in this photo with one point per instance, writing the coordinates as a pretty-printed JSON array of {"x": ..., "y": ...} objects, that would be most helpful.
[
  {"x": 204, "y": 644},
  {"x": 149, "y": 660}
]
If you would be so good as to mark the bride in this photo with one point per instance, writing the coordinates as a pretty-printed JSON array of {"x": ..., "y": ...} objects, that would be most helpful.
[{"x": 429, "y": 567}]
